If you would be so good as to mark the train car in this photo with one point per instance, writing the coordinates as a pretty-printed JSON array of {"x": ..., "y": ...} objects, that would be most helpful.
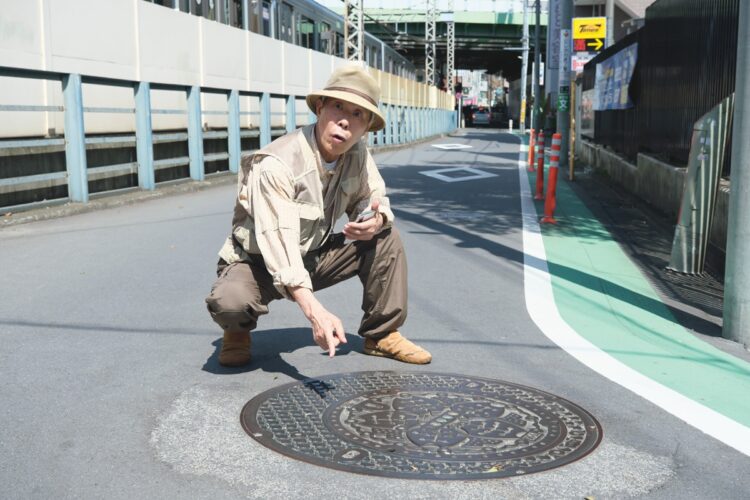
[{"x": 300, "y": 22}]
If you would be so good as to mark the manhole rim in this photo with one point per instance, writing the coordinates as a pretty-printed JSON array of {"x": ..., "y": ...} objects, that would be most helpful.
[{"x": 271, "y": 444}]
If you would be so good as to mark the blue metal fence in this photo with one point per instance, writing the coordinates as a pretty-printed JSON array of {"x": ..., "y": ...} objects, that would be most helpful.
[{"x": 403, "y": 125}]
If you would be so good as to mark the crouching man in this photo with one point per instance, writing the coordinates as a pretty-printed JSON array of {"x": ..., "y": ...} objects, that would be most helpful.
[{"x": 289, "y": 196}]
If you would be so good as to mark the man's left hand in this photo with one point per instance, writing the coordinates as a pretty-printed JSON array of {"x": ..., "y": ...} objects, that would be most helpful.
[{"x": 366, "y": 230}]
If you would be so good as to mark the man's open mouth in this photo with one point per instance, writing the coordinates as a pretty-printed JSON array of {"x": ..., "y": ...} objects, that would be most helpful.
[{"x": 338, "y": 138}]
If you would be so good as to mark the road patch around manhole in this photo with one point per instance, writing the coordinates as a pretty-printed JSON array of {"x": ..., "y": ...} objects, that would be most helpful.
[
  {"x": 451, "y": 146},
  {"x": 421, "y": 425},
  {"x": 457, "y": 174}
]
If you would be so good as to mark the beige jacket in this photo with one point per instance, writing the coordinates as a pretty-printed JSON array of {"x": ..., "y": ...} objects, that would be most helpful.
[{"x": 287, "y": 203}]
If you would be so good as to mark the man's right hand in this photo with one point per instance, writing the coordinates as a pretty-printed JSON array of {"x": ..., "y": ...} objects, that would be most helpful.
[{"x": 328, "y": 331}]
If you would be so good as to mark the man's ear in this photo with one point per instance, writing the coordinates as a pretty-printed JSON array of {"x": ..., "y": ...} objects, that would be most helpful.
[{"x": 319, "y": 106}]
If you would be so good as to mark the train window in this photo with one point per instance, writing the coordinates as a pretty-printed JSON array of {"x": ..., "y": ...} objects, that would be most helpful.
[
  {"x": 326, "y": 38},
  {"x": 165, "y": 3},
  {"x": 233, "y": 13},
  {"x": 286, "y": 23},
  {"x": 266, "y": 18},
  {"x": 340, "y": 44},
  {"x": 306, "y": 30}
]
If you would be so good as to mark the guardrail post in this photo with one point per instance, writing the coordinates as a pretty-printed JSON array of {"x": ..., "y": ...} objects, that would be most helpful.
[
  {"x": 75, "y": 139},
  {"x": 388, "y": 124},
  {"x": 195, "y": 133},
  {"x": 234, "y": 146},
  {"x": 265, "y": 119},
  {"x": 144, "y": 139},
  {"x": 413, "y": 124},
  {"x": 291, "y": 113},
  {"x": 380, "y": 132}
]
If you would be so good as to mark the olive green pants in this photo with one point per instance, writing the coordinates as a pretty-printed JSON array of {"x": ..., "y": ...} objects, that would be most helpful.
[{"x": 243, "y": 290}]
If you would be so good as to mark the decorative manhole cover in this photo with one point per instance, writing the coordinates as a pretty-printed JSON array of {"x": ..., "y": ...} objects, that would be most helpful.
[{"x": 421, "y": 425}]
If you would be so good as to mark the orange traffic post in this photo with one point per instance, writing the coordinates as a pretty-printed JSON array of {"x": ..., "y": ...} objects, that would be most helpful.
[
  {"x": 539, "y": 167},
  {"x": 532, "y": 145},
  {"x": 554, "y": 163}
]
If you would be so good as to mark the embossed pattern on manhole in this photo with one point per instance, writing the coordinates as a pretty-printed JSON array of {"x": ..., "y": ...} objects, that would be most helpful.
[{"x": 421, "y": 425}]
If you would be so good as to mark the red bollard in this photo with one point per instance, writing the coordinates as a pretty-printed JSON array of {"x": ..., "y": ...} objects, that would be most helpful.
[
  {"x": 554, "y": 163},
  {"x": 540, "y": 167},
  {"x": 532, "y": 145}
]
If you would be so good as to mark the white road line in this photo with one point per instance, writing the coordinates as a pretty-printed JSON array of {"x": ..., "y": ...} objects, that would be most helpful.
[
  {"x": 471, "y": 174},
  {"x": 543, "y": 311},
  {"x": 451, "y": 146}
]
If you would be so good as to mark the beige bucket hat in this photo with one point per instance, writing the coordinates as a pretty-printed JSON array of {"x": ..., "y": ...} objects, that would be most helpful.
[{"x": 352, "y": 84}]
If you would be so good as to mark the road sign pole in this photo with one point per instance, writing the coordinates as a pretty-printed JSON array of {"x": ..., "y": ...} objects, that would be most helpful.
[
  {"x": 610, "y": 13},
  {"x": 564, "y": 89},
  {"x": 524, "y": 65},
  {"x": 737, "y": 272},
  {"x": 537, "y": 66}
]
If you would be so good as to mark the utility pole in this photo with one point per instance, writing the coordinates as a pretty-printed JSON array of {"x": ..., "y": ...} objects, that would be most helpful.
[
  {"x": 450, "y": 47},
  {"x": 737, "y": 272},
  {"x": 524, "y": 64},
  {"x": 537, "y": 66},
  {"x": 552, "y": 67},
  {"x": 564, "y": 84}
]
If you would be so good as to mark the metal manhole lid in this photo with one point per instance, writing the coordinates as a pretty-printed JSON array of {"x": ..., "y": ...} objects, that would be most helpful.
[{"x": 421, "y": 425}]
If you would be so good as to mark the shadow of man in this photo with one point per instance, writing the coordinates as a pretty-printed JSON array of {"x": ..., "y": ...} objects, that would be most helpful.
[{"x": 267, "y": 348}]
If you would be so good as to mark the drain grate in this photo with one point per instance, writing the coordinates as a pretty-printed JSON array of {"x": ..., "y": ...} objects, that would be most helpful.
[{"x": 421, "y": 425}]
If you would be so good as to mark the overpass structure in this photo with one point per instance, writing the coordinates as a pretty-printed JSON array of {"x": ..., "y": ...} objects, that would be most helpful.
[{"x": 486, "y": 32}]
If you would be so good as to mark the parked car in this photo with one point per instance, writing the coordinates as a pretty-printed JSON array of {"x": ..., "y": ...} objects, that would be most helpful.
[{"x": 481, "y": 116}]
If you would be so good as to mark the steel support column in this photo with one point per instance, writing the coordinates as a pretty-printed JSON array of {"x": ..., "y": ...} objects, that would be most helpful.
[
  {"x": 429, "y": 48},
  {"x": 354, "y": 30}
]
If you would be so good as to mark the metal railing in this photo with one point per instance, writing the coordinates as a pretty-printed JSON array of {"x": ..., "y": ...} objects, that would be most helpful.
[{"x": 403, "y": 124}]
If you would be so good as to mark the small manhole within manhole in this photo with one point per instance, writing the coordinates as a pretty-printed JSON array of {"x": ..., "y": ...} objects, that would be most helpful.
[{"x": 421, "y": 425}]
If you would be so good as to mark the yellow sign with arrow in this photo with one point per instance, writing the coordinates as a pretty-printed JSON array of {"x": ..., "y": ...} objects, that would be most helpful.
[{"x": 589, "y": 33}]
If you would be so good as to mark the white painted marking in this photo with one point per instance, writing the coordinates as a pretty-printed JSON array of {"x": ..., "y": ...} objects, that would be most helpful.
[
  {"x": 471, "y": 174},
  {"x": 451, "y": 146},
  {"x": 543, "y": 311}
]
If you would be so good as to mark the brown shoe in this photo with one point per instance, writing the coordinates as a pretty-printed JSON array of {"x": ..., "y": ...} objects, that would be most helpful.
[
  {"x": 397, "y": 347},
  {"x": 235, "y": 349}
]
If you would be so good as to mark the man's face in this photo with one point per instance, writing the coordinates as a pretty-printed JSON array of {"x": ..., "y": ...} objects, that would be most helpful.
[{"x": 340, "y": 126}]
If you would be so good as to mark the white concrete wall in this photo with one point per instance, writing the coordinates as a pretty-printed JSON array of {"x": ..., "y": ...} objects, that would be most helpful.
[{"x": 139, "y": 41}]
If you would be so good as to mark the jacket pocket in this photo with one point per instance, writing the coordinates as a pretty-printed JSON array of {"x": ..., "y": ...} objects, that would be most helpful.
[{"x": 309, "y": 221}]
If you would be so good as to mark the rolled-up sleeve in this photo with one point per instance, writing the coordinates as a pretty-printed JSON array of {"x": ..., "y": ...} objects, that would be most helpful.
[
  {"x": 277, "y": 225},
  {"x": 373, "y": 187}
]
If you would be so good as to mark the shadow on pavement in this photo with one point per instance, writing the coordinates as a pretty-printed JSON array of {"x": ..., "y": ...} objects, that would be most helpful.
[
  {"x": 597, "y": 284},
  {"x": 267, "y": 348}
]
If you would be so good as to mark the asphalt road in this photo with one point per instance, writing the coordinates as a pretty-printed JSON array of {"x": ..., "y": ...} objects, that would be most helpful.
[{"x": 111, "y": 386}]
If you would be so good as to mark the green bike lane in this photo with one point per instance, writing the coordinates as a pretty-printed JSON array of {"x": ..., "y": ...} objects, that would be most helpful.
[{"x": 607, "y": 301}]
